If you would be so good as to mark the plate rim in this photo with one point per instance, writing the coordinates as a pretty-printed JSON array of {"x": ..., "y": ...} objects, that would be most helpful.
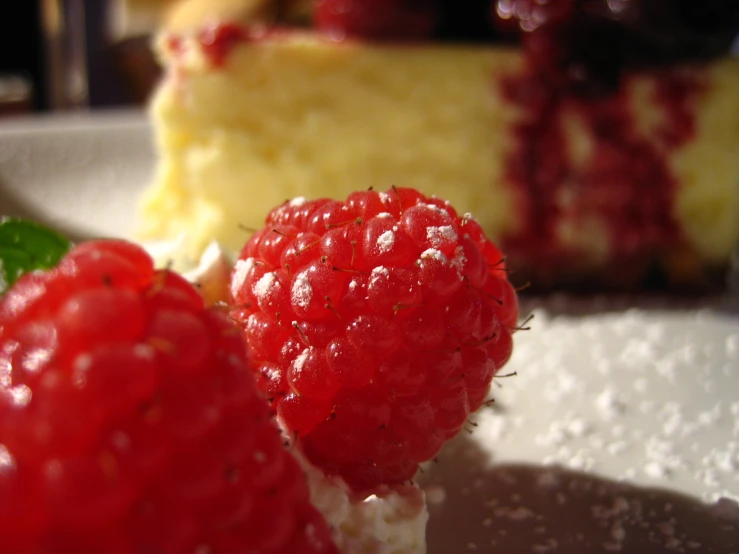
[{"x": 88, "y": 120}]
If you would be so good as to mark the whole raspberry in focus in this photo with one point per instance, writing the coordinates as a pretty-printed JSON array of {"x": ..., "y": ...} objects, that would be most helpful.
[
  {"x": 376, "y": 325},
  {"x": 130, "y": 421}
]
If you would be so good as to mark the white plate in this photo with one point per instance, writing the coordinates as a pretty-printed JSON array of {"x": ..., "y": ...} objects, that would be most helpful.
[
  {"x": 82, "y": 173},
  {"x": 620, "y": 430}
]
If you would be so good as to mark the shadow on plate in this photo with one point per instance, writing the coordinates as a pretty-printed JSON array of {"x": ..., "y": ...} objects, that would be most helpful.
[
  {"x": 579, "y": 305},
  {"x": 11, "y": 206},
  {"x": 512, "y": 509},
  {"x": 573, "y": 305}
]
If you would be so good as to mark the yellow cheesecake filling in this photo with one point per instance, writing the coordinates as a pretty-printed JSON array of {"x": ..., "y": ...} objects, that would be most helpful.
[{"x": 297, "y": 115}]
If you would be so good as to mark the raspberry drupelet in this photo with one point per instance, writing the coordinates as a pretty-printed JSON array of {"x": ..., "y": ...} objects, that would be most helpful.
[
  {"x": 376, "y": 325},
  {"x": 130, "y": 422}
]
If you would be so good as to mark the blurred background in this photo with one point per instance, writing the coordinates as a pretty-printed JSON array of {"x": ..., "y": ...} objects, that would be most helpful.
[
  {"x": 103, "y": 45},
  {"x": 102, "y": 41}
]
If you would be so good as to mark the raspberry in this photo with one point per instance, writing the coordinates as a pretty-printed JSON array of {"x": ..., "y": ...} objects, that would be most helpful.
[
  {"x": 130, "y": 421},
  {"x": 376, "y": 325}
]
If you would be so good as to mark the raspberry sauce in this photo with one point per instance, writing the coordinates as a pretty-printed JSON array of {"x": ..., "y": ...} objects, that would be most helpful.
[
  {"x": 218, "y": 40},
  {"x": 582, "y": 65},
  {"x": 626, "y": 184}
]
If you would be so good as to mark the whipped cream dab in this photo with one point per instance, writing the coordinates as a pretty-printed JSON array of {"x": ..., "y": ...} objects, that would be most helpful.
[
  {"x": 391, "y": 520},
  {"x": 210, "y": 273}
]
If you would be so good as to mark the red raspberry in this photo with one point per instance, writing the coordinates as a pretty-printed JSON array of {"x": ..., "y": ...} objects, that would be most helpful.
[
  {"x": 376, "y": 326},
  {"x": 130, "y": 421}
]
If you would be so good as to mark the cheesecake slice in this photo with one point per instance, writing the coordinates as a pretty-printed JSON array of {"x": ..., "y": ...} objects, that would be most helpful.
[{"x": 586, "y": 190}]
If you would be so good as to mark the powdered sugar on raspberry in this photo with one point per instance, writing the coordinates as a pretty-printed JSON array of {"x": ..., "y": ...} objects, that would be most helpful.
[
  {"x": 299, "y": 361},
  {"x": 241, "y": 270},
  {"x": 378, "y": 273},
  {"x": 386, "y": 241},
  {"x": 435, "y": 254},
  {"x": 441, "y": 235},
  {"x": 433, "y": 208},
  {"x": 301, "y": 291},
  {"x": 19, "y": 395},
  {"x": 265, "y": 283},
  {"x": 458, "y": 260}
]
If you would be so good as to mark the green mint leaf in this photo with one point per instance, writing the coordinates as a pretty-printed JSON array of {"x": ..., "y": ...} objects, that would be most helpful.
[{"x": 26, "y": 246}]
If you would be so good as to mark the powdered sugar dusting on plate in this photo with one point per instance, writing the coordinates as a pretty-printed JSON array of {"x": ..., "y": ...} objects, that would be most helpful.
[
  {"x": 647, "y": 396},
  {"x": 610, "y": 420}
]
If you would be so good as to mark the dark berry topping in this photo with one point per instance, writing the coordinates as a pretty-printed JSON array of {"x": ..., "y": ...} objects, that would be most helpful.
[
  {"x": 586, "y": 44},
  {"x": 376, "y": 19}
]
